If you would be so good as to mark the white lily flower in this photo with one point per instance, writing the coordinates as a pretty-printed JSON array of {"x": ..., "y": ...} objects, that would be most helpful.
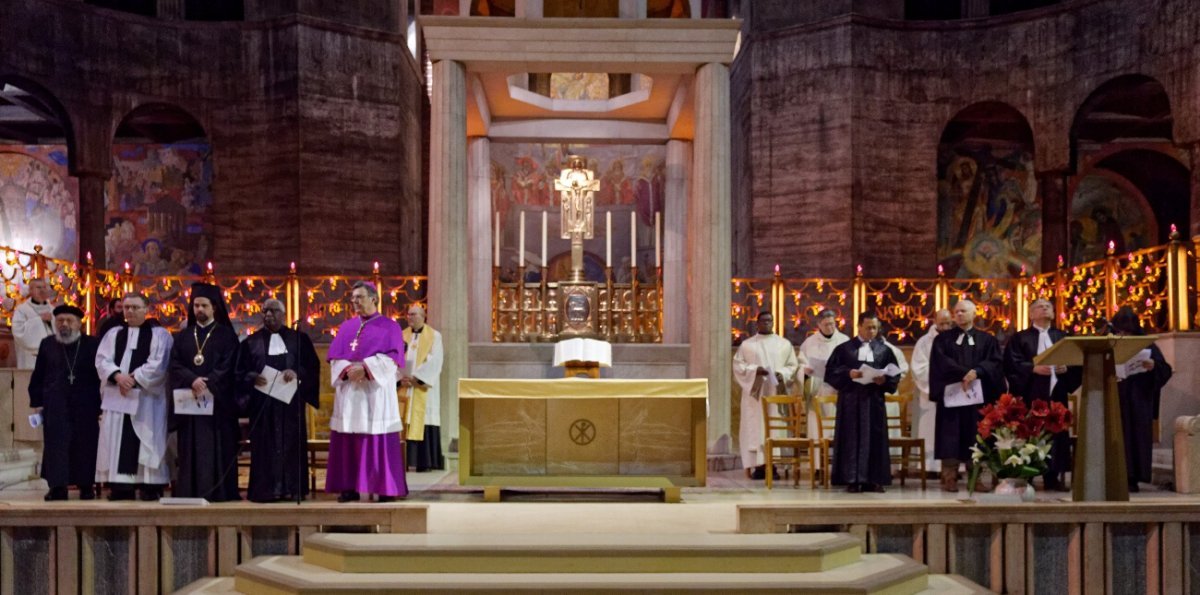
[
  {"x": 1005, "y": 442},
  {"x": 1014, "y": 461},
  {"x": 976, "y": 453},
  {"x": 1028, "y": 449}
]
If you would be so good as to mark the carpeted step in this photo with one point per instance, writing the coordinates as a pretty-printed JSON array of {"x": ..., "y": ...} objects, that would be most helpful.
[
  {"x": 565, "y": 553},
  {"x": 878, "y": 573}
]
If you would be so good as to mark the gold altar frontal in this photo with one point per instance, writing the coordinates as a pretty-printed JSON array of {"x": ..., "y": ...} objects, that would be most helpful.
[{"x": 582, "y": 433}]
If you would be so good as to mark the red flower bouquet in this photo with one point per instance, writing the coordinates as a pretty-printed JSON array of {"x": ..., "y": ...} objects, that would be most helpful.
[{"x": 1014, "y": 439}]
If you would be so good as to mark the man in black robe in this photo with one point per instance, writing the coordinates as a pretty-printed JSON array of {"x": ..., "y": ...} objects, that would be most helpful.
[
  {"x": 203, "y": 359},
  {"x": 861, "y": 461},
  {"x": 65, "y": 391},
  {"x": 278, "y": 433},
  {"x": 1140, "y": 394},
  {"x": 961, "y": 355},
  {"x": 1048, "y": 383}
]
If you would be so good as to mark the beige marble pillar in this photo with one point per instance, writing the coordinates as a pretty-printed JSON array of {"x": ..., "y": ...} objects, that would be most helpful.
[
  {"x": 448, "y": 238},
  {"x": 632, "y": 9},
  {"x": 528, "y": 9},
  {"x": 675, "y": 225},
  {"x": 479, "y": 215},
  {"x": 708, "y": 246}
]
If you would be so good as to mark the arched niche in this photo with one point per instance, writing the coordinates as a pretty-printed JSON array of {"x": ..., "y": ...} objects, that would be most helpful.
[
  {"x": 159, "y": 201},
  {"x": 989, "y": 212},
  {"x": 39, "y": 199}
]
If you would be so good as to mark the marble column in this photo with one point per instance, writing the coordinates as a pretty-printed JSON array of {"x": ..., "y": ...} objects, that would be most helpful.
[
  {"x": 91, "y": 216},
  {"x": 448, "y": 239},
  {"x": 708, "y": 249},
  {"x": 632, "y": 9},
  {"x": 675, "y": 225},
  {"x": 480, "y": 217},
  {"x": 528, "y": 9},
  {"x": 1052, "y": 186}
]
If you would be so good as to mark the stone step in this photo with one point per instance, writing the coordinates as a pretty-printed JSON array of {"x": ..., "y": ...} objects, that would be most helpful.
[
  {"x": 952, "y": 584},
  {"x": 875, "y": 573},
  {"x": 563, "y": 553},
  {"x": 18, "y": 466},
  {"x": 209, "y": 586}
]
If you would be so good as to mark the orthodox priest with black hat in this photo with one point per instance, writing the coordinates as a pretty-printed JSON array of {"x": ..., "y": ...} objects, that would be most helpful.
[
  {"x": 272, "y": 356},
  {"x": 65, "y": 392},
  {"x": 205, "y": 402}
]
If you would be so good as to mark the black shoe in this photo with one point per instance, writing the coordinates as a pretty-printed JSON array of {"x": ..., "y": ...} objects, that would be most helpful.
[
  {"x": 56, "y": 494},
  {"x": 874, "y": 487},
  {"x": 150, "y": 494},
  {"x": 383, "y": 498},
  {"x": 759, "y": 472},
  {"x": 122, "y": 494},
  {"x": 87, "y": 493},
  {"x": 1053, "y": 483},
  {"x": 854, "y": 488},
  {"x": 1133, "y": 487},
  {"x": 348, "y": 496}
]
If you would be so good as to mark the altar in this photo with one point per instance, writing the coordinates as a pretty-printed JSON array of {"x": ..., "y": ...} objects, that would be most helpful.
[{"x": 582, "y": 433}]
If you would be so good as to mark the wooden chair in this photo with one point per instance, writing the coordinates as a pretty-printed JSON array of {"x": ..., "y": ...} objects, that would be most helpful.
[
  {"x": 826, "y": 409},
  {"x": 784, "y": 421},
  {"x": 899, "y": 428}
]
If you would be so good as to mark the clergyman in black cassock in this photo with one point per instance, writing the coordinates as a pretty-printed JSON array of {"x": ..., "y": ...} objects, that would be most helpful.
[
  {"x": 1139, "y": 395},
  {"x": 203, "y": 359},
  {"x": 65, "y": 390},
  {"x": 278, "y": 433},
  {"x": 861, "y": 460},
  {"x": 1048, "y": 383},
  {"x": 962, "y": 354}
]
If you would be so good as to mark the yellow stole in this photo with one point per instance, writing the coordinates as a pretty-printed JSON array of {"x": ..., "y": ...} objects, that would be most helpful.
[{"x": 415, "y": 423}]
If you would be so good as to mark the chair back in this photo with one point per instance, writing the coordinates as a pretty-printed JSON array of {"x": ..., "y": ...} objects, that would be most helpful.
[
  {"x": 826, "y": 409},
  {"x": 784, "y": 415},
  {"x": 898, "y": 422}
]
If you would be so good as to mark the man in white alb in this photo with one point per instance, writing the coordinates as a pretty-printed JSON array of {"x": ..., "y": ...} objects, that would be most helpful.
[{"x": 762, "y": 366}]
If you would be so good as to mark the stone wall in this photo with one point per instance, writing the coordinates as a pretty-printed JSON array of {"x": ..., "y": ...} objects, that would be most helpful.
[
  {"x": 315, "y": 124},
  {"x": 847, "y": 113}
]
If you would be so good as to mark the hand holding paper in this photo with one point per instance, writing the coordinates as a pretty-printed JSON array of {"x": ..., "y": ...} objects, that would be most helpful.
[
  {"x": 955, "y": 396},
  {"x": 1135, "y": 365},
  {"x": 278, "y": 385},
  {"x": 869, "y": 374}
]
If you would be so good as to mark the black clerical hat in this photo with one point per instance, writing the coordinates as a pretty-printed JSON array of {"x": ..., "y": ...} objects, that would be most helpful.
[
  {"x": 214, "y": 295},
  {"x": 68, "y": 309}
]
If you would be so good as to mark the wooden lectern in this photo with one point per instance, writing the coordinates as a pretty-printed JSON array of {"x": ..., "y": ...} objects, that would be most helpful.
[{"x": 1099, "y": 473}]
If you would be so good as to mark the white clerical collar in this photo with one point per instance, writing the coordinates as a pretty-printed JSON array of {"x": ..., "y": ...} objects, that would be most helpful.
[
  {"x": 970, "y": 338},
  {"x": 276, "y": 346},
  {"x": 1042, "y": 329}
]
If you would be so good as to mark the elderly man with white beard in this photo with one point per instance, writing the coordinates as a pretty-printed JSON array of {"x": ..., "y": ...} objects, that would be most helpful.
[{"x": 64, "y": 392}]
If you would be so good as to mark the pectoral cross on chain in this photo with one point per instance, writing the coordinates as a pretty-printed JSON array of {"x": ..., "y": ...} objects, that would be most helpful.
[
  {"x": 354, "y": 345},
  {"x": 71, "y": 378}
]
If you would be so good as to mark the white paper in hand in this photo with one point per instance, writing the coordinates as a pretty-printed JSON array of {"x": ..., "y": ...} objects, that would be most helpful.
[
  {"x": 869, "y": 374},
  {"x": 112, "y": 400},
  {"x": 818, "y": 367},
  {"x": 277, "y": 387},
  {"x": 1134, "y": 365},
  {"x": 187, "y": 403},
  {"x": 955, "y": 396}
]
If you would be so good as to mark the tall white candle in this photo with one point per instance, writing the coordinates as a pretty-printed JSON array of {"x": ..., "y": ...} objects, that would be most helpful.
[
  {"x": 658, "y": 239},
  {"x": 608, "y": 238},
  {"x": 633, "y": 238},
  {"x": 496, "y": 238},
  {"x": 544, "y": 218},
  {"x": 521, "y": 242}
]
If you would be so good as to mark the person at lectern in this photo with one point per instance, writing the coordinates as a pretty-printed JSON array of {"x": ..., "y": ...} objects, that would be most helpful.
[
  {"x": 762, "y": 365},
  {"x": 1139, "y": 384},
  {"x": 365, "y": 360}
]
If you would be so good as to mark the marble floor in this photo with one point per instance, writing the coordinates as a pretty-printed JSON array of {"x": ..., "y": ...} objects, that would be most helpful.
[{"x": 712, "y": 509}]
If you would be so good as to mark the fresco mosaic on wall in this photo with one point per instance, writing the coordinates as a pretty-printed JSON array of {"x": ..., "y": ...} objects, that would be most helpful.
[
  {"x": 38, "y": 200},
  {"x": 158, "y": 205},
  {"x": 989, "y": 212},
  {"x": 1104, "y": 210}
]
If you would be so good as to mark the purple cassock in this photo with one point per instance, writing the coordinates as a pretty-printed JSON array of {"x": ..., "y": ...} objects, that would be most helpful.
[{"x": 365, "y": 453}]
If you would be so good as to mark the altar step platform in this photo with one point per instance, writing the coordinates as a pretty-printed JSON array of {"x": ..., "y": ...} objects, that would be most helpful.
[{"x": 395, "y": 563}]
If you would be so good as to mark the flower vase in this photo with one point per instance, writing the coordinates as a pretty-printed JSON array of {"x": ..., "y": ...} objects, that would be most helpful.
[{"x": 1015, "y": 486}]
